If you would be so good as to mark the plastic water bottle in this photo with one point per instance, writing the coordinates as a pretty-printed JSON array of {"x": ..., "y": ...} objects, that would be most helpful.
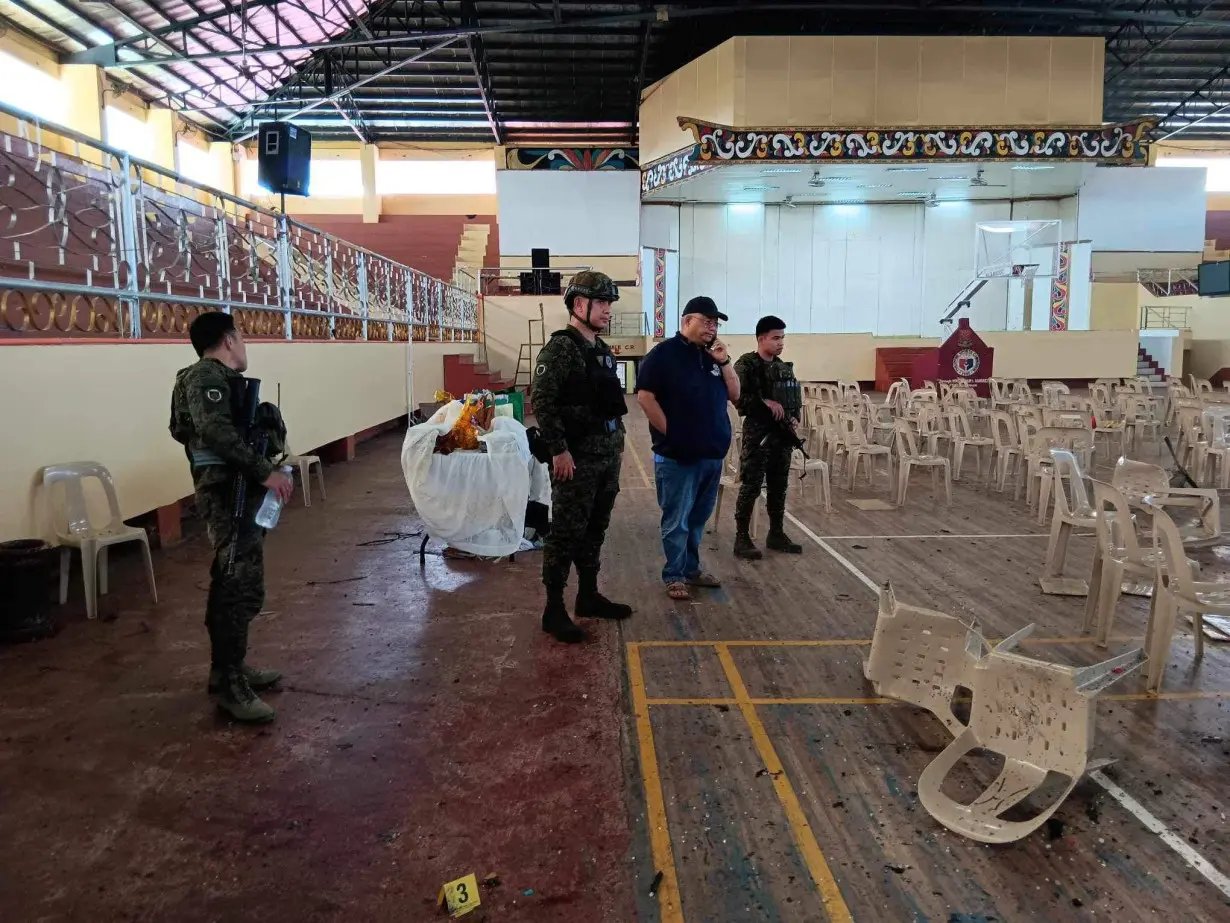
[{"x": 271, "y": 508}]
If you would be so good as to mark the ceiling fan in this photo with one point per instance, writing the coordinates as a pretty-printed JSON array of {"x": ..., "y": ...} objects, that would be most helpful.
[
  {"x": 788, "y": 202},
  {"x": 815, "y": 182},
  {"x": 979, "y": 181}
]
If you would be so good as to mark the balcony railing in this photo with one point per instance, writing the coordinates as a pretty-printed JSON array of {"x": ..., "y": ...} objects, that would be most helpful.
[
  {"x": 1163, "y": 316},
  {"x": 95, "y": 243}
]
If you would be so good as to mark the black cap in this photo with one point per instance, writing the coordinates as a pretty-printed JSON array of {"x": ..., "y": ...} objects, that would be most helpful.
[
  {"x": 768, "y": 324},
  {"x": 704, "y": 306}
]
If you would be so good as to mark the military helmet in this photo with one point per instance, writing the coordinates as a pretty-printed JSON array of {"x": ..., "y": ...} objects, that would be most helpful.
[{"x": 591, "y": 284}]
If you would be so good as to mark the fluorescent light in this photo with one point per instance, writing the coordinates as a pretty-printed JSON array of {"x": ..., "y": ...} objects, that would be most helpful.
[
  {"x": 941, "y": 179},
  {"x": 760, "y": 188},
  {"x": 1031, "y": 167},
  {"x": 911, "y": 195},
  {"x": 767, "y": 170},
  {"x": 907, "y": 169},
  {"x": 837, "y": 179},
  {"x": 874, "y": 186}
]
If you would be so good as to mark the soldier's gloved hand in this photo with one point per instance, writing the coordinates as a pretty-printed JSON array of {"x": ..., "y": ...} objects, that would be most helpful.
[
  {"x": 775, "y": 408},
  {"x": 562, "y": 466},
  {"x": 280, "y": 483}
]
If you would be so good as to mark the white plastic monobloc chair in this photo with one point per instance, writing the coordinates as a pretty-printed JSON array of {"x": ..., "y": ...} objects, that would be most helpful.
[
  {"x": 304, "y": 463},
  {"x": 76, "y": 531}
]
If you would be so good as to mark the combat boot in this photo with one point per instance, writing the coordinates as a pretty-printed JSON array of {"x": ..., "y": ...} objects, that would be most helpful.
[
  {"x": 778, "y": 540},
  {"x": 258, "y": 679},
  {"x": 236, "y": 698},
  {"x": 745, "y": 548},
  {"x": 593, "y": 605},
  {"x": 555, "y": 620}
]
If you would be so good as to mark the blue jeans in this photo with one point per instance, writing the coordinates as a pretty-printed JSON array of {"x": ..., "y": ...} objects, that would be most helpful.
[{"x": 687, "y": 494}]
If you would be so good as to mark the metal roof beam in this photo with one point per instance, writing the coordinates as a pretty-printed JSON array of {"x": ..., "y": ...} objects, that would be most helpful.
[{"x": 478, "y": 64}]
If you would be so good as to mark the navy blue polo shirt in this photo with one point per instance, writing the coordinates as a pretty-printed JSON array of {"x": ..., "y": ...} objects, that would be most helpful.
[{"x": 689, "y": 386}]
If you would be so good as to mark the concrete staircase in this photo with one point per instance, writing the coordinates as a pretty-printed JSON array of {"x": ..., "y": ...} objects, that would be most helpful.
[
  {"x": 471, "y": 254},
  {"x": 1147, "y": 367},
  {"x": 463, "y": 375}
]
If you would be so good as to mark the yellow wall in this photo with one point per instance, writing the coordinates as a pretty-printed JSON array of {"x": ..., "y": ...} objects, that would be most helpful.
[
  {"x": 428, "y": 368},
  {"x": 865, "y": 81},
  {"x": 109, "y": 403},
  {"x": 1115, "y": 305}
]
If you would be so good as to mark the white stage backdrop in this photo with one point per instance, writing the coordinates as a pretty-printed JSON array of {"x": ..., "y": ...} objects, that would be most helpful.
[
  {"x": 574, "y": 213},
  {"x": 886, "y": 269}
]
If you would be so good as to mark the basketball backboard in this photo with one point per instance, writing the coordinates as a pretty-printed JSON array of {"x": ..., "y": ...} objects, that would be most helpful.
[{"x": 1025, "y": 249}]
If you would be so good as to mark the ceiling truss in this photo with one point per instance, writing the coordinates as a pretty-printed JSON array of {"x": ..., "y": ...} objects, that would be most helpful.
[{"x": 550, "y": 71}]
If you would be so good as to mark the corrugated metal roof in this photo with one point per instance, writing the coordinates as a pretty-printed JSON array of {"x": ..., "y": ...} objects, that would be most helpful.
[{"x": 549, "y": 71}]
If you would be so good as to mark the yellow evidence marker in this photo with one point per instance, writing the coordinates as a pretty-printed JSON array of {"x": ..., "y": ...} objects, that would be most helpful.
[{"x": 460, "y": 897}]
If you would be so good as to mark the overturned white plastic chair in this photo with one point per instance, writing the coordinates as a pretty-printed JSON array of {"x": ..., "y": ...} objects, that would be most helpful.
[
  {"x": 1039, "y": 717},
  {"x": 304, "y": 463},
  {"x": 922, "y": 656},
  {"x": 74, "y": 529}
]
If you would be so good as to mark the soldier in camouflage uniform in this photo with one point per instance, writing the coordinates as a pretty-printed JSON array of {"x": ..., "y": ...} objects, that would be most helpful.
[
  {"x": 769, "y": 401},
  {"x": 204, "y": 412},
  {"x": 579, "y": 403}
]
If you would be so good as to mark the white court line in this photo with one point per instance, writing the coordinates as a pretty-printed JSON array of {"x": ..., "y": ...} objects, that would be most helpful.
[
  {"x": 943, "y": 535},
  {"x": 844, "y": 562},
  {"x": 1169, "y": 837},
  {"x": 1134, "y": 807}
]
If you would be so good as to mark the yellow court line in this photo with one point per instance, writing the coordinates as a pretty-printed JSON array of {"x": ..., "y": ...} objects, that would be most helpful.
[
  {"x": 857, "y": 642},
  {"x": 834, "y": 905},
  {"x": 669, "y": 905},
  {"x": 640, "y": 466},
  {"x": 836, "y": 700}
]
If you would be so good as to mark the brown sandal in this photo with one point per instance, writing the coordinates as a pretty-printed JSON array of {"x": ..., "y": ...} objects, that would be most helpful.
[
  {"x": 678, "y": 590},
  {"x": 704, "y": 579}
]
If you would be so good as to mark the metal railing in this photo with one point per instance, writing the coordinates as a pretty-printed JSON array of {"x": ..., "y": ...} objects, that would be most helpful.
[
  {"x": 1166, "y": 283},
  {"x": 1163, "y": 316},
  {"x": 96, "y": 243},
  {"x": 627, "y": 324}
]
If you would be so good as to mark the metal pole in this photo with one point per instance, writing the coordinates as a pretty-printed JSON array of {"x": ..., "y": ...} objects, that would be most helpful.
[
  {"x": 330, "y": 304},
  {"x": 222, "y": 249},
  {"x": 128, "y": 243},
  {"x": 388, "y": 299},
  {"x": 363, "y": 290},
  {"x": 285, "y": 275}
]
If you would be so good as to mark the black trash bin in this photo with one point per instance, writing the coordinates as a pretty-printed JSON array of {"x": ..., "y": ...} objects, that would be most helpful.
[{"x": 27, "y": 581}]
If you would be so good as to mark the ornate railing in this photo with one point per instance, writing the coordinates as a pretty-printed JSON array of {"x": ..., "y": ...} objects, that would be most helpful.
[{"x": 95, "y": 243}]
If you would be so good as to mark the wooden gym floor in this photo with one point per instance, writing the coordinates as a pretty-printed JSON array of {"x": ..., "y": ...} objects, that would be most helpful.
[{"x": 775, "y": 786}]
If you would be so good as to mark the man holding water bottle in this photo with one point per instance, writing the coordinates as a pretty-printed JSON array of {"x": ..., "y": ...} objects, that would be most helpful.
[{"x": 206, "y": 418}]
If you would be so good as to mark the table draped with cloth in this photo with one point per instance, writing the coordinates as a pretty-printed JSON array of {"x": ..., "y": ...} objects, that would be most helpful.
[{"x": 474, "y": 501}]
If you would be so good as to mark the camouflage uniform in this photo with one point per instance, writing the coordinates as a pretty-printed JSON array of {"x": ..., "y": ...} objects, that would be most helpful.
[
  {"x": 203, "y": 414},
  {"x": 581, "y": 506},
  {"x": 764, "y": 457}
]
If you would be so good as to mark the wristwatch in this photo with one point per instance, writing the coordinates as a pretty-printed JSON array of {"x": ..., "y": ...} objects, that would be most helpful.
[{"x": 724, "y": 364}]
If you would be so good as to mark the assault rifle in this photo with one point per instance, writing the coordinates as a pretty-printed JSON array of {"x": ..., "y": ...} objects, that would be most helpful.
[
  {"x": 785, "y": 432},
  {"x": 246, "y": 398}
]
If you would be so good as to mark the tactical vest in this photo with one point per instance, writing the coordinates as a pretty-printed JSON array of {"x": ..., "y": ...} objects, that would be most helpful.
[
  {"x": 785, "y": 388},
  {"x": 268, "y": 420},
  {"x": 602, "y": 392}
]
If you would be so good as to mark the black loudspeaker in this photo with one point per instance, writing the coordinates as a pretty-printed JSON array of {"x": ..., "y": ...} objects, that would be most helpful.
[
  {"x": 540, "y": 258},
  {"x": 541, "y": 282},
  {"x": 284, "y": 158}
]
